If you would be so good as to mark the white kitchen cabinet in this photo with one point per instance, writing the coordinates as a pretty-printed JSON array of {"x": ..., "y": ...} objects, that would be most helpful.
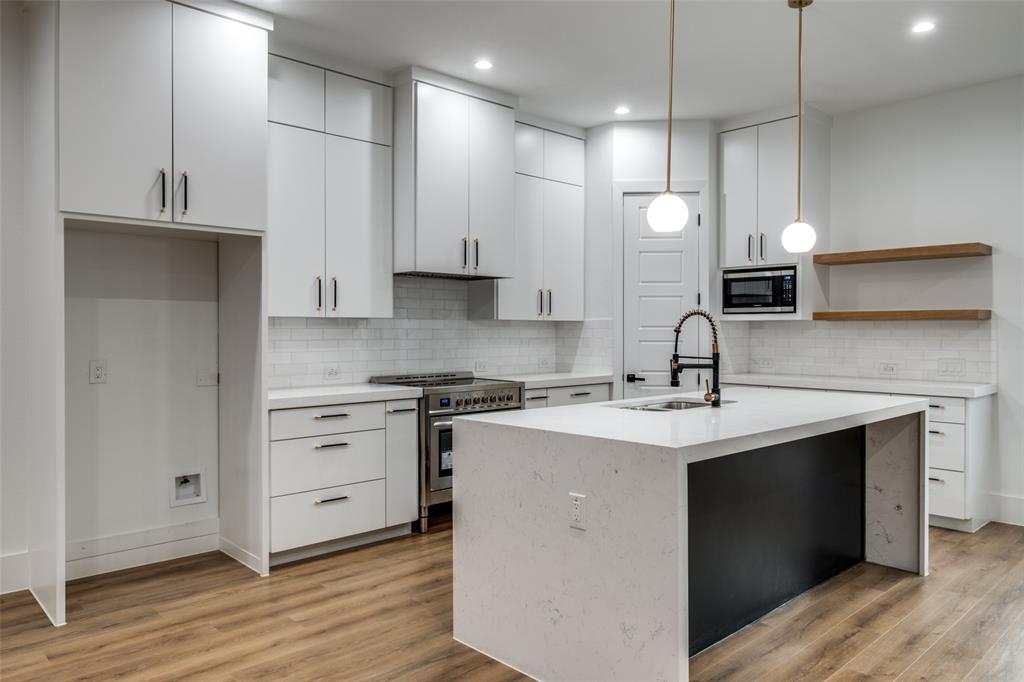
[
  {"x": 402, "y": 450},
  {"x": 115, "y": 98},
  {"x": 739, "y": 197},
  {"x": 776, "y": 188},
  {"x": 491, "y": 188},
  {"x": 758, "y": 196},
  {"x": 454, "y": 191},
  {"x": 522, "y": 297},
  {"x": 220, "y": 120},
  {"x": 572, "y": 394},
  {"x": 296, "y": 93},
  {"x": 529, "y": 150},
  {"x": 162, "y": 114},
  {"x": 316, "y": 516},
  {"x": 563, "y": 158},
  {"x": 296, "y": 219},
  {"x": 563, "y": 251},
  {"x": 358, "y": 231},
  {"x": 358, "y": 108}
]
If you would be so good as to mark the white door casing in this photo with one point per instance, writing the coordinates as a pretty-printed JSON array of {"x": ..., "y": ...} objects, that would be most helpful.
[{"x": 660, "y": 282}]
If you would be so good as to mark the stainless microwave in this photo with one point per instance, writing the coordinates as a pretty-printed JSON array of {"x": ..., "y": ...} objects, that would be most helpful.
[{"x": 759, "y": 290}]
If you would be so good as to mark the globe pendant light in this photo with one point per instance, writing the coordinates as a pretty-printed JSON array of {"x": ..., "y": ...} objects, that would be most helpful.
[
  {"x": 668, "y": 212},
  {"x": 799, "y": 237}
]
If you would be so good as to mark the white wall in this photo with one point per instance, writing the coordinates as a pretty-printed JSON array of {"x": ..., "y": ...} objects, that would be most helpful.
[
  {"x": 148, "y": 306},
  {"x": 938, "y": 169}
]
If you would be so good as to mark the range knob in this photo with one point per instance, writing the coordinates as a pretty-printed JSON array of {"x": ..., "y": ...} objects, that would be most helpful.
[
  {"x": 476, "y": 400},
  {"x": 494, "y": 398},
  {"x": 458, "y": 402}
]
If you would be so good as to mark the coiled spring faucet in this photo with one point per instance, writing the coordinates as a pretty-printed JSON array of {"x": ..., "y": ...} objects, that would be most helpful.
[{"x": 714, "y": 394}]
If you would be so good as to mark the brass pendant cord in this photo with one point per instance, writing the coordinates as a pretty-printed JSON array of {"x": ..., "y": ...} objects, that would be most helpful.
[
  {"x": 671, "y": 79},
  {"x": 799, "y": 115}
]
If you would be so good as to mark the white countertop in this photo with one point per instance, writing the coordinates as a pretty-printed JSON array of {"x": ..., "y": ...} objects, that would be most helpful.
[
  {"x": 556, "y": 379},
  {"x": 926, "y": 388},
  {"x": 760, "y": 417},
  {"x": 314, "y": 396}
]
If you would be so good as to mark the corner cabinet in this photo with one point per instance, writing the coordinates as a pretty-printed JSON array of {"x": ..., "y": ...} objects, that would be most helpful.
[
  {"x": 329, "y": 233},
  {"x": 758, "y": 180},
  {"x": 454, "y": 195},
  {"x": 549, "y": 230},
  {"x": 163, "y": 114}
]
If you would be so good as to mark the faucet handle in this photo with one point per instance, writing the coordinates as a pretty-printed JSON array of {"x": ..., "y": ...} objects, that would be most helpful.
[{"x": 709, "y": 396}]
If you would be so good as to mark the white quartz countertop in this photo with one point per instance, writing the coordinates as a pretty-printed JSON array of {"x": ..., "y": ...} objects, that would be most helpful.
[
  {"x": 760, "y": 417},
  {"x": 927, "y": 388},
  {"x": 314, "y": 396},
  {"x": 557, "y": 379}
]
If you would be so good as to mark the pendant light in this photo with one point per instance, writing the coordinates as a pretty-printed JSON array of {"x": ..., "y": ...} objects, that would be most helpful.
[
  {"x": 668, "y": 212},
  {"x": 799, "y": 237}
]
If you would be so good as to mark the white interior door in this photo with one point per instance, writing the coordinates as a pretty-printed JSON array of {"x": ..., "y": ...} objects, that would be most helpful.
[{"x": 660, "y": 283}]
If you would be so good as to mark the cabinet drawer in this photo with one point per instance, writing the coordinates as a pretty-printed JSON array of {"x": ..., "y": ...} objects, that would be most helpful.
[
  {"x": 946, "y": 494},
  {"x": 322, "y": 515},
  {"x": 946, "y": 446},
  {"x": 535, "y": 397},
  {"x": 948, "y": 410},
  {"x": 577, "y": 395},
  {"x": 303, "y": 464},
  {"x": 321, "y": 421}
]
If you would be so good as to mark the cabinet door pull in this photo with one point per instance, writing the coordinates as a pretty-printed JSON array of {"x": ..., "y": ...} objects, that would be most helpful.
[
  {"x": 550, "y": 309},
  {"x": 763, "y": 257},
  {"x": 540, "y": 302},
  {"x": 319, "y": 293},
  {"x": 324, "y": 446},
  {"x": 750, "y": 246},
  {"x": 937, "y": 433},
  {"x": 400, "y": 411},
  {"x": 331, "y": 416},
  {"x": 936, "y": 480},
  {"x": 184, "y": 185},
  {"x": 163, "y": 190},
  {"x": 537, "y": 397},
  {"x": 476, "y": 251},
  {"x": 465, "y": 252},
  {"x": 579, "y": 395},
  {"x": 334, "y": 284},
  {"x": 331, "y": 499},
  {"x": 937, "y": 407}
]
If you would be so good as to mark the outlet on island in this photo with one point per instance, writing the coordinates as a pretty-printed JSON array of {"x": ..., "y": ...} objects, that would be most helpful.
[{"x": 577, "y": 511}]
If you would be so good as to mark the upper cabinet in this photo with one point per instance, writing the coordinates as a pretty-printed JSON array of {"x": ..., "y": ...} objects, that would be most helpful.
[
  {"x": 454, "y": 175},
  {"x": 549, "y": 220},
  {"x": 758, "y": 196},
  {"x": 329, "y": 236},
  {"x": 163, "y": 114}
]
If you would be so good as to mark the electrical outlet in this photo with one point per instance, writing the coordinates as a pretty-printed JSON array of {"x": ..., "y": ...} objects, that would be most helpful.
[
  {"x": 484, "y": 366},
  {"x": 952, "y": 367},
  {"x": 331, "y": 373},
  {"x": 763, "y": 363},
  {"x": 544, "y": 363},
  {"x": 97, "y": 371},
  {"x": 887, "y": 369},
  {"x": 577, "y": 511},
  {"x": 208, "y": 377}
]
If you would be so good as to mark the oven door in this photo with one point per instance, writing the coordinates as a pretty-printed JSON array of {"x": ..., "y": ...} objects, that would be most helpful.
[
  {"x": 439, "y": 453},
  {"x": 759, "y": 291}
]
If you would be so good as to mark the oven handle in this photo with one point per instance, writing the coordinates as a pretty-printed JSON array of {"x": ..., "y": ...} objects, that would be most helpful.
[{"x": 440, "y": 424}]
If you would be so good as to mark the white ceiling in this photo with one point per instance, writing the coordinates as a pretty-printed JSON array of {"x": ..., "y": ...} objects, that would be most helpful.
[{"x": 575, "y": 60}]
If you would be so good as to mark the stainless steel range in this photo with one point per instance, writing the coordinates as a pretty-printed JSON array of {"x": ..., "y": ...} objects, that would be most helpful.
[{"x": 446, "y": 395}]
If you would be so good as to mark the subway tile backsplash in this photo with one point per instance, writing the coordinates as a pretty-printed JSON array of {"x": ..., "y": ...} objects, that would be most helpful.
[
  {"x": 919, "y": 351},
  {"x": 429, "y": 332}
]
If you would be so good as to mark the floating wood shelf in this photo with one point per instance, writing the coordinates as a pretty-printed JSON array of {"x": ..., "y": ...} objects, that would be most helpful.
[
  {"x": 895, "y": 315},
  {"x": 908, "y": 253}
]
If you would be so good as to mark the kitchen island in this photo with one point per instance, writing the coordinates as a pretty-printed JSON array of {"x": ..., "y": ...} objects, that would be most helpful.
[{"x": 694, "y": 522}]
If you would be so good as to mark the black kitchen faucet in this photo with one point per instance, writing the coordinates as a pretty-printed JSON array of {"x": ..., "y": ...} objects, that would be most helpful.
[{"x": 714, "y": 392}]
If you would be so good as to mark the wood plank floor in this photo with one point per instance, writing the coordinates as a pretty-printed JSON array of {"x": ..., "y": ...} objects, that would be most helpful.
[{"x": 384, "y": 613}]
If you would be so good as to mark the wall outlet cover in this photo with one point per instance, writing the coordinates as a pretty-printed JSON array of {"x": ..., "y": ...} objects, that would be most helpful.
[
  {"x": 887, "y": 369},
  {"x": 484, "y": 366},
  {"x": 544, "y": 363},
  {"x": 952, "y": 367},
  {"x": 577, "y": 511},
  {"x": 207, "y": 377},
  {"x": 332, "y": 373},
  {"x": 97, "y": 371}
]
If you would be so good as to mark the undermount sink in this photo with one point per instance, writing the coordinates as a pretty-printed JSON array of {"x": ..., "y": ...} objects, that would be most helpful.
[{"x": 671, "y": 405}]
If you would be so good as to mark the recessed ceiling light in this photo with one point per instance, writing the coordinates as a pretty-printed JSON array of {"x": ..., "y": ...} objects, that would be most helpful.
[
  {"x": 622, "y": 110},
  {"x": 923, "y": 26},
  {"x": 483, "y": 64}
]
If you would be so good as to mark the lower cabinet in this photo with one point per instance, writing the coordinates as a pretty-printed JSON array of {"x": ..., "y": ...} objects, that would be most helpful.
[
  {"x": 342, "y": 470},
  {"x": 566, "y": 395}
]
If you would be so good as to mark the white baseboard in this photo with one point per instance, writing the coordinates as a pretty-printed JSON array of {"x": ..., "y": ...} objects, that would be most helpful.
[
  {"x": 14, "y": 572},
  {"x": 242, "y": 556},
  {"x": 112, "y": 544},
  {"x": 1008, "y": 509},
  {"x": 968, "y": 526},
  {"x": 338, "y": 545},
  {"x": 140, "y": 556}
]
